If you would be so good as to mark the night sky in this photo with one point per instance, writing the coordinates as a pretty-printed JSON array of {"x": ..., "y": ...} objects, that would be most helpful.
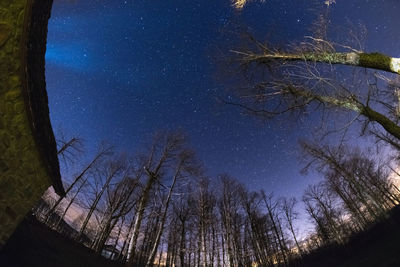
[{"x": 120, "y": 70}]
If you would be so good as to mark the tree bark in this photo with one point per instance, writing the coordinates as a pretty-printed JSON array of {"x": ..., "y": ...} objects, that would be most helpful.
[{"x": 374, "y": 60}]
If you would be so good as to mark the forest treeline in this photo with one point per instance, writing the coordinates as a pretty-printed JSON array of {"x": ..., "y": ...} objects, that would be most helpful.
[{"x": 158, "y": 208}]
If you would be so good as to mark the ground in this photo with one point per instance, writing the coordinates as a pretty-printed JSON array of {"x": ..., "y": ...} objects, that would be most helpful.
[
  {"x": 376, "y": 247},
  {"x": 34, "y": 244}
]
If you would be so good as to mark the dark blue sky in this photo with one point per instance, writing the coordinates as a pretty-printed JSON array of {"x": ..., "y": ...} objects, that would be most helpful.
[{"x": 119, "y": 70}]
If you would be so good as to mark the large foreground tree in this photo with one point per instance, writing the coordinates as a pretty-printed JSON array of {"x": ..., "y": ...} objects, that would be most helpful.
[{"x": 312, "y": 76}]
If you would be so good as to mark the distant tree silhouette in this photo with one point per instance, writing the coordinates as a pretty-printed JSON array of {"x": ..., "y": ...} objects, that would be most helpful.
[{"x": 199, "y": 221}]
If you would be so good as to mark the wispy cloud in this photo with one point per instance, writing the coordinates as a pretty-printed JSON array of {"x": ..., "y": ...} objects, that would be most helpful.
[{"x": 74, "y": 55}]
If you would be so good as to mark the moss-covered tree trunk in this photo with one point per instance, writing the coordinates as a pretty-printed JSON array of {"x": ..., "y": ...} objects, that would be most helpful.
[{"x": 374, "y": 60}]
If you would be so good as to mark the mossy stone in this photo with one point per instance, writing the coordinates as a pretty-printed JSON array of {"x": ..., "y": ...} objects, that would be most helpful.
[
  {"x": 23, "y": 175},
  {"x": 14, "y": 82},
  {"x": 5, "y": 31},
  {"x": 3, "y": 166}
]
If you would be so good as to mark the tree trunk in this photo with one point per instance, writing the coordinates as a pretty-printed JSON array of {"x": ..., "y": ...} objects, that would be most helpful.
[
  {"x": 119, "y": 233},
  {"x": 96, "y": 201},
  {"x": 377, "y": 61},
  {"x": 77, "y": 179},
  {"x": 350, "y": 104},
  {"x": 391, "y": 127},
  {"x": 275, "y": 229},
  {"x": 182, "y": 246},
  {"x": 164, "y": 217},
  {"x": 294, "y": 237},
  {"x": 138, "y": 220},
  {"x": 70, "y": 203},
  {"x": 120, "y": 256}
]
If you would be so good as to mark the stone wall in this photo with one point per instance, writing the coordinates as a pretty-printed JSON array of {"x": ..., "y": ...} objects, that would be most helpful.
[{"x": 24, "y": 172}]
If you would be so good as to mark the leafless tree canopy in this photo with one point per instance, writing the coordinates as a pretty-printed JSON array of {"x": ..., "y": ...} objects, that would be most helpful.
[
  {"x": 319, "y": 75},
  {"x": 158, "y": 208}
]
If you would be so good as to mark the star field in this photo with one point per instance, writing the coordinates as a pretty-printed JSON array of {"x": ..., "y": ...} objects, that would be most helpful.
[{"x": 120, "y": 70}]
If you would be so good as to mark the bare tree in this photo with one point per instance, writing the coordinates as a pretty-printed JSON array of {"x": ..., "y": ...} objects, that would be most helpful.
[
  {"x": 164, "y": 149},
  {"x": 320, "y": 206},
  {"x": 71, "y": 201},
  {"x": 313, "y": 53},
  {"x": 119, "y": 203},
  {"x": 186, "y": 165},
  {"x": 182, "y": 214},
  {"x": 101, "y": 153},
  {"x": 250, "y": 202},
  {"x": 68, "y": 149},
  {"x": 290, "y": 215},
  {"x": 304, "y": 78},
  {"x": 231, "y": 220},
  {"x": 112, "y": 169},
  {"x": 361, "y": 184},
  {"x": 271, "y": 206}
]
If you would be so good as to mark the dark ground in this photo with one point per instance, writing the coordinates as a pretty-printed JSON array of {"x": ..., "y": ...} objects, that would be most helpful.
[
  {"x": 34, "y": 244},
  {"x": 379, "y": 246}
]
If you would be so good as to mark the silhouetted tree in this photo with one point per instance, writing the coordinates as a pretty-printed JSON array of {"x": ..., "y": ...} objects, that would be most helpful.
[
  {"x": 112, "y": 168},
  {"x": 185, "y": 165},
  {"x": 165, "y": 148},
  {"x": 321, "y": 208},
  {"x": 363, "y": 187},
  {"x": 119, "y": 203},
  {"x": 103, "y": 151},
  {"x": 290, "y": 215}
]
